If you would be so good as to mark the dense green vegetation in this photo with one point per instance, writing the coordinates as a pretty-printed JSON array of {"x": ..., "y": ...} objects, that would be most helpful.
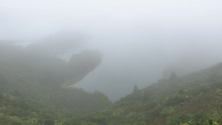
[
  {"x": 188, "y": 100},
  {"x": 34, "y": 91},
  {"x": 34, "y": 87}
]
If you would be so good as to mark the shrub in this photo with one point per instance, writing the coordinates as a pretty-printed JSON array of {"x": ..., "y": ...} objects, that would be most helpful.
[
  {"x": 179, "y": 119},
  {"x": 24, "y": 105},
  {"x": 49, "y": 122},
  {"x": 212, "y": 122},
  {"x": 167, "y": 111},
  {"x": 201, "y": 97},
  {"x": 199, "y": 118},
  {"x": 176, "y": 99}
]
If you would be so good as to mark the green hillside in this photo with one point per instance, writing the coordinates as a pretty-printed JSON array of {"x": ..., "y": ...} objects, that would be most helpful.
[
  {"x": 187, "y": 100},
  {"x": 34, "y": 90},
  {"x": 34, "y": 87}
]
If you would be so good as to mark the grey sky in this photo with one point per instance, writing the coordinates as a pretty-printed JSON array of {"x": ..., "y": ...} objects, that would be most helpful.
[
  {"x": 139, "y": 39},
  {"x": 46, "y": 16}
]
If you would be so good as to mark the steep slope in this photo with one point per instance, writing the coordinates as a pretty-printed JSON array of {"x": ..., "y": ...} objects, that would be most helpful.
[
  {"x": 32, "y": 90},
  {"x": 191, "y": 99}
]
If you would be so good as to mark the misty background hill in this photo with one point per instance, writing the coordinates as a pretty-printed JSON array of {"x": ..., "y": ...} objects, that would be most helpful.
[
  {"x": 113, "y": 62},
  {"x": 141, "y": 42},
  {"x": 34, "y": 87},
  {"x": 37, "y": 89},
  {"x": 190, "y": 99}
]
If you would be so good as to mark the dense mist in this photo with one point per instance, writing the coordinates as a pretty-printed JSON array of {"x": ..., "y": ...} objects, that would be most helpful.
[{"x": 136, "y": 42}]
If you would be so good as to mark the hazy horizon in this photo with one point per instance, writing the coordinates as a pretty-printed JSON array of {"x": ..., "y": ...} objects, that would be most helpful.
[{"x": 139, "y": 40}]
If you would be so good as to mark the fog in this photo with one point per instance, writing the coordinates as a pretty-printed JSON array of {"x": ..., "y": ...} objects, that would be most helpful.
[{"x": 141, "y": 41}]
